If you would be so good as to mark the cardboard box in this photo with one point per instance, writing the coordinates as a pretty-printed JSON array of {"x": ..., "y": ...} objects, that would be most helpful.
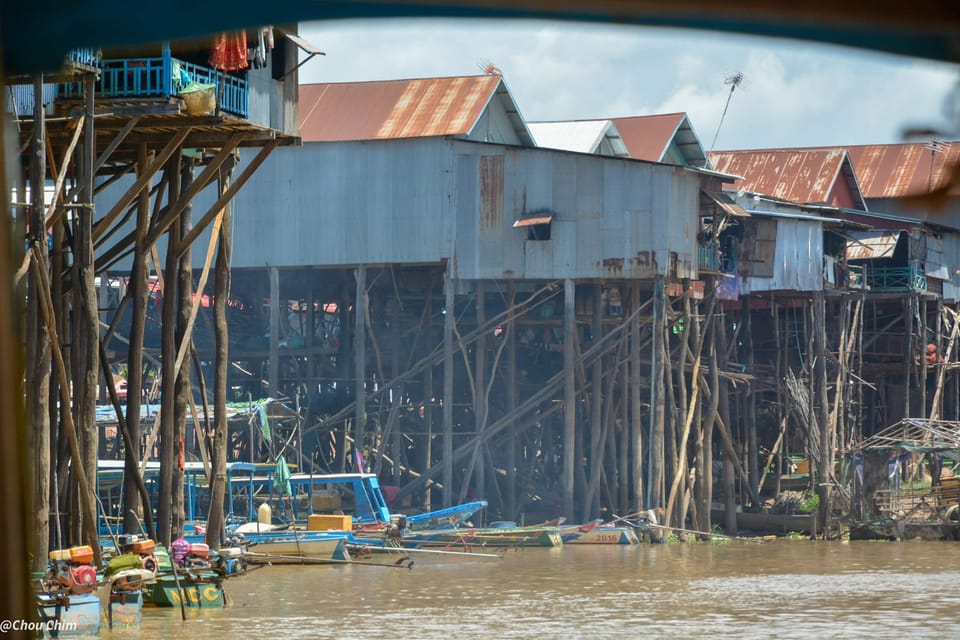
[{"x": 328, "y": 522}]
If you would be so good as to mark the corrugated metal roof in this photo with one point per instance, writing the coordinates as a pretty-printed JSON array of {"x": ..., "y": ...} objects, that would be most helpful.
[
  {"x": 394, "y": 108},
  {"x": 868, "y": 245},
  {"x": 802, "y": 176},
  {"x": 649, "y": 137},
  {"x": 584, "y": 136},
  {"x": 727, "y": 204},
  {"x": 894, "y": 170}
]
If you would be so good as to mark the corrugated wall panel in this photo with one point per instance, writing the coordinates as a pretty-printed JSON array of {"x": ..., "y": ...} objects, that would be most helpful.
[{"x": 337, "y": 204}]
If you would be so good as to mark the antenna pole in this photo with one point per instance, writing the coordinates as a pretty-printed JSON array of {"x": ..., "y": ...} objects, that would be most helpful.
[{"x": 734, "y": 81}]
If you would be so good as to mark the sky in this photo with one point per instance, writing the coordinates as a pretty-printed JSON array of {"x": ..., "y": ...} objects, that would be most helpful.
[{"x": 793, "y": 93}]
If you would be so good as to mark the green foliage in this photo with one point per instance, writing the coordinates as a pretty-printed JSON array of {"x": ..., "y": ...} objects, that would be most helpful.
[{"x": 811, "y": 502}]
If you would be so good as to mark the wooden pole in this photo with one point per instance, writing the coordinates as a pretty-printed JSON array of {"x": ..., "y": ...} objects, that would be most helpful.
[
  {"x": 569, "y": 395},
  {"x": 187, "y": 304},
  {"x": 657, "y": 406},
  {"x": 480, "y": 397},
  {"x": 87, "y": 502},
  {"x": 512, "y": 453},
  {"x": 139, "y": 286},
  {"x": 360, "y": 362},
  {"x": 168, "y": 350},
  {"x": 218, "y": 455},
  {"x": 820, "y": 386},
  {"x": 89, "y": 387},
  {"x": 273, "y": 370},
  {"x": 591, "y": 503},
  {"x": 38, "y": 345},
  {"x": 447, "y": 458}
]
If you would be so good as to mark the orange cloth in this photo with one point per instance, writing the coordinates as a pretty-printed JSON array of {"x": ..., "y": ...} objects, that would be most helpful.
[{"x": 229, "y": 51}]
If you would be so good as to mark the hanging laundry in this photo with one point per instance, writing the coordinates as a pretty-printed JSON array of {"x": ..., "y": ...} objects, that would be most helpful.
[{"x": 229, "y": 51}]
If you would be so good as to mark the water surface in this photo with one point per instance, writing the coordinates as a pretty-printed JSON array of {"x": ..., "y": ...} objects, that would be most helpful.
[{"x": 780, "y": 589}]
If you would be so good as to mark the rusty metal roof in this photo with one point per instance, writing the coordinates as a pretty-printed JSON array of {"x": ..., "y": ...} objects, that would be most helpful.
[
  {"x": 649, "y": 137},
  {"x": 807, "y": 176},
  {"x": 875, "y": 243},
  {"x": 895, "y": 170},
  {"x": 395, "y": 108}
]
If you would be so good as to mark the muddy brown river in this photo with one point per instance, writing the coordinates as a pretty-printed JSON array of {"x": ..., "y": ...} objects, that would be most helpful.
[{"x": 780, "y": 589}]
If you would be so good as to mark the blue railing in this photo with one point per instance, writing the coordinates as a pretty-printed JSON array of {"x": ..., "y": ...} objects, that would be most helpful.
[
  {"x": 154, "y": 77},
  {"x": 85, "y": 56}
]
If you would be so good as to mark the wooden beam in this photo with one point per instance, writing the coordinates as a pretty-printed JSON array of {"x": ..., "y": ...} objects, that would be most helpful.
[
  {"x": 117, "y": 139},
  {"x": 226, "y": 196},
  {"x": 143, "y": 179},
  {"x": 209, "y": 173}
]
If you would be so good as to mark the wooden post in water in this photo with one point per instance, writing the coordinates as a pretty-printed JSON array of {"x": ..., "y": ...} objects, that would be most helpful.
[
  {"x": 819, "y": 375},
  {"x": 481, "y": 406},
  {"x": 168, "y": 350},
  {"x": 749, "y": 398},
  {"x": 360, "y": 362},
  {"x": 37, "y": 343},
  {"x": 87, "y": 318},
  {"x": 657, "y": 406},
  {"x": 635, "y": 404},
  {"x": 218, "y": 458},
  {"x": 569, "y": 395},
  {"x": 273, "y": 368},
  {"x": 591, "y": 504},
  {"x": 448, "y": 311},
  {"x": 184, "y": 390},
  {"x": 510, "y": 508},
  {"x": 140, "y": 291}
]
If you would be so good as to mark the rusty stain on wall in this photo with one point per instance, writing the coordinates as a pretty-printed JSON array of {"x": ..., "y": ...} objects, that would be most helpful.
[{"x": 491, "y": 192}]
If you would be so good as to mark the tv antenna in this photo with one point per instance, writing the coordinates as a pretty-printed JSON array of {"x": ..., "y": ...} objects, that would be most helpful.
[
  {"x": 734, "y": 81},
  {"x": 489, "y": 68}
]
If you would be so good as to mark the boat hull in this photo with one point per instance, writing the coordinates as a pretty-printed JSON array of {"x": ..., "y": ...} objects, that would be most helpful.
[
  {"x": 290, "y": 549},
  {"x": 601, "y": 535},
  {"x": 192, "y": 593}
]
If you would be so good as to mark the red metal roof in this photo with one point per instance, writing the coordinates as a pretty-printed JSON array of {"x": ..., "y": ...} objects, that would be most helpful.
[
  {"x": 393, "y": 108},
  {"x": 894, "y": 170},
  {"x": 647, "y": 137},
  {"x": 803, "y": 176}
]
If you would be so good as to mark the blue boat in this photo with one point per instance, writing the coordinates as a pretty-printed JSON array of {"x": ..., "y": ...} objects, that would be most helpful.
[{"x": 448, "y": 518}]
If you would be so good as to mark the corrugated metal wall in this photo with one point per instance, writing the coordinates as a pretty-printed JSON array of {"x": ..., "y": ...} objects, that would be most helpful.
[
  {"x": 612, "y": 218},
  {"x": 797, "y": 260},
  {"x": 412, "y": 201}
]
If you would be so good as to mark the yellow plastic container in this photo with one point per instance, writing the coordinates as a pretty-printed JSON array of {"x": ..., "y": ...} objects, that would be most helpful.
[
  {"x": 328, "y": 522},
  {"x": 60, "y": 555}
]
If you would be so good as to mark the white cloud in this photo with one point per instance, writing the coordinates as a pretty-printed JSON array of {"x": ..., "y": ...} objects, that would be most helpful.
[{"x": 794, "y": 94}]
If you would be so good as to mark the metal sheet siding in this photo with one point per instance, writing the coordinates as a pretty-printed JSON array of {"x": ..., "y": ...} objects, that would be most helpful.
[
  {"x": 347, "y": 203},
  {"x": 798, "y": 259},
  {"x": 612, "y": 218}
]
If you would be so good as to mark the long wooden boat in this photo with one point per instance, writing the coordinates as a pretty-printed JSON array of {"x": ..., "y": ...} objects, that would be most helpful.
[
  {"x": 448, "y": 518},
  {"x": 291, "y": 547},
  {"x": 596, "y": 532},
  {"x": 498, "y": 536}
]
